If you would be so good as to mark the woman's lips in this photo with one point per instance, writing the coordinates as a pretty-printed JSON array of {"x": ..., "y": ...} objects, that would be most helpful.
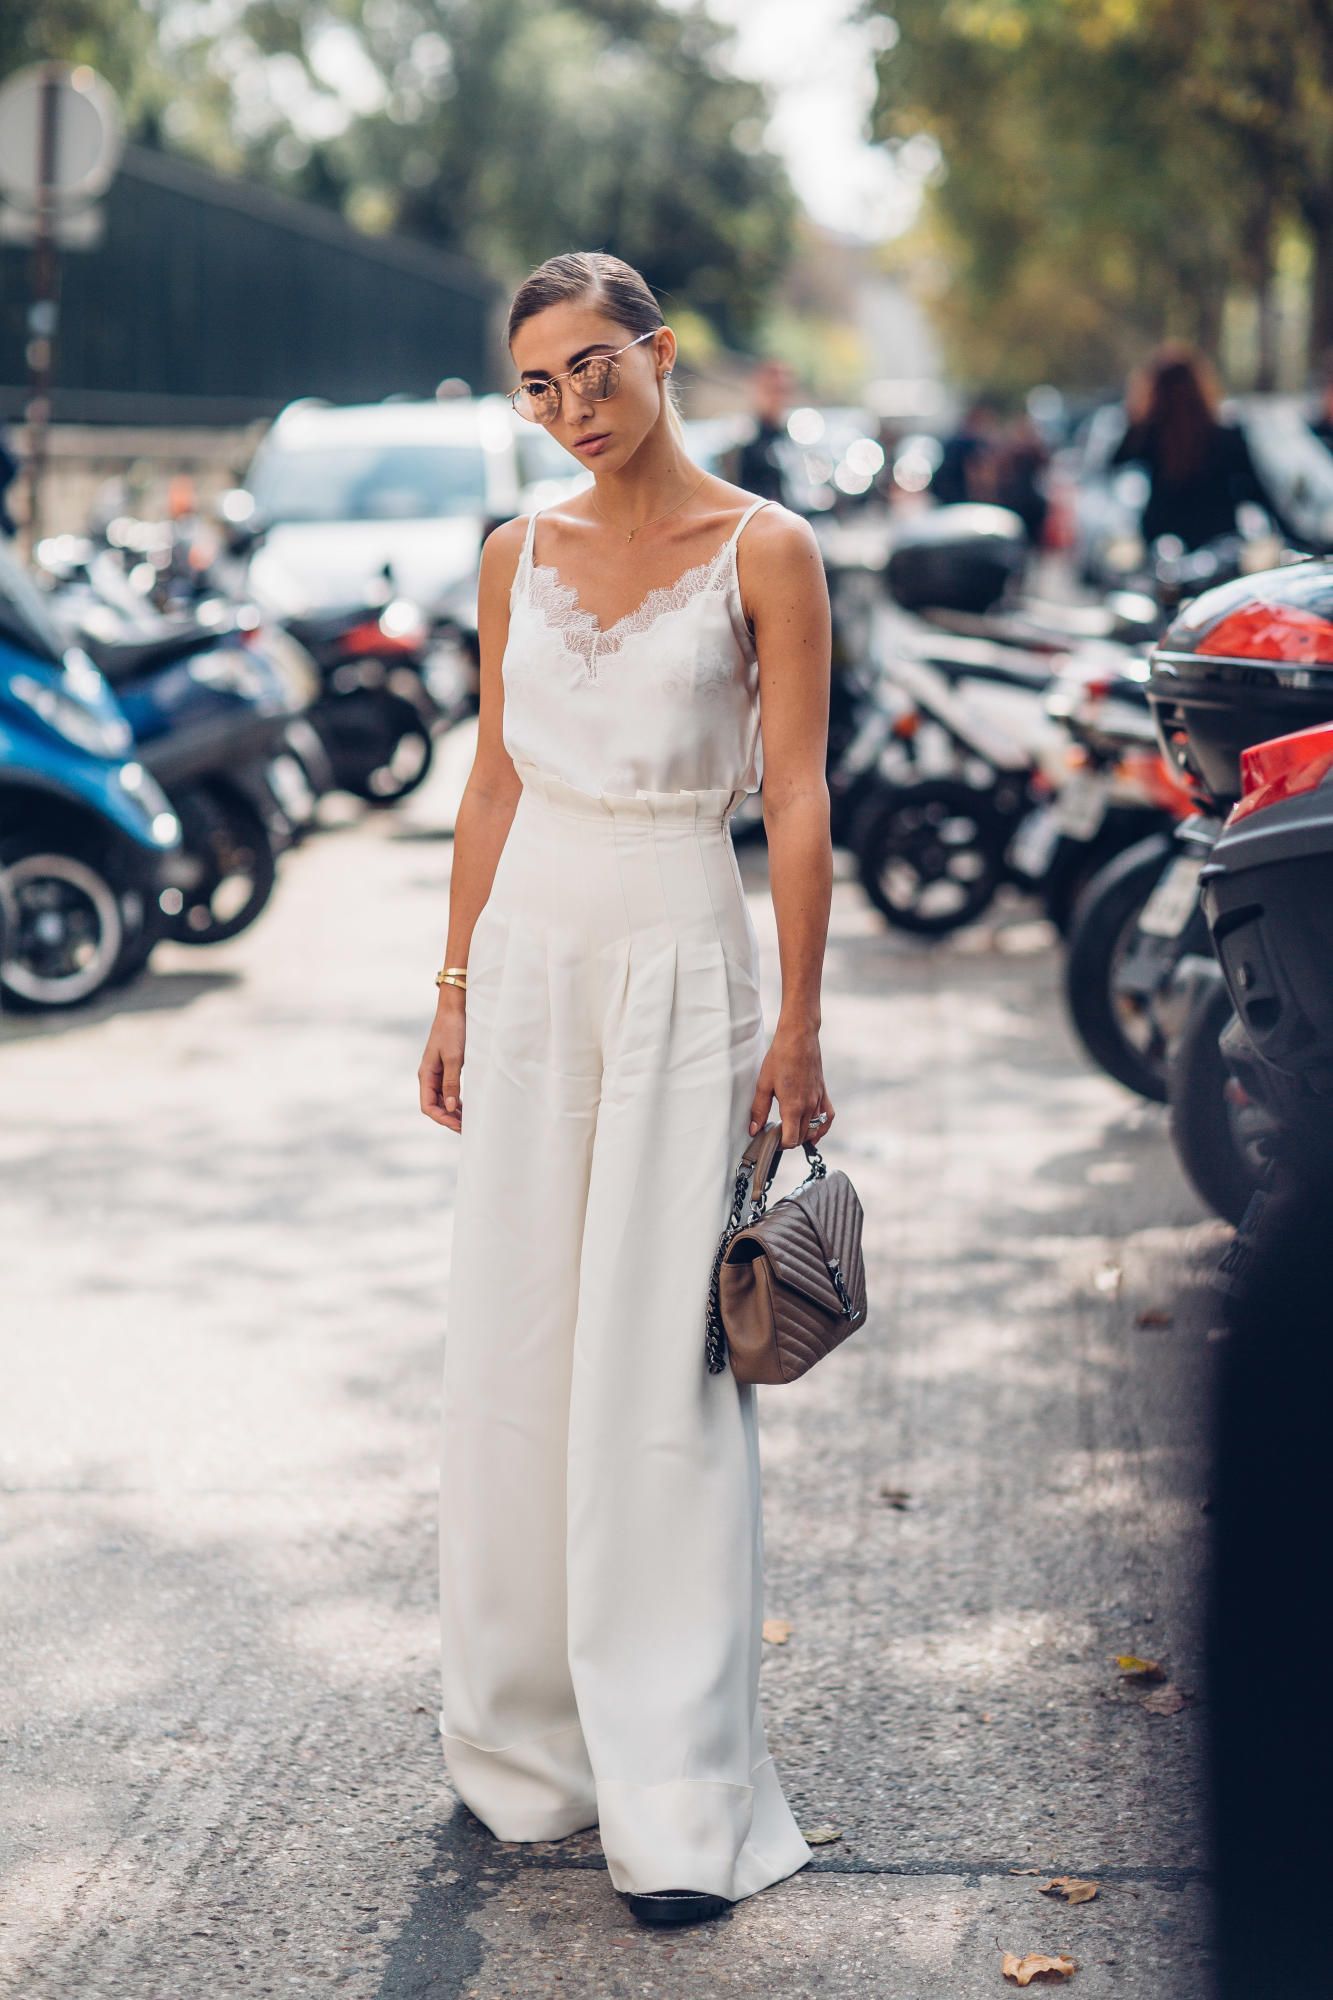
[{"x": 592, "y": 445}]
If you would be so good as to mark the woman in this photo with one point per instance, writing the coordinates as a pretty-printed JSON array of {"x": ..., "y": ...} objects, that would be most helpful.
[
  {"x": 1199, "y": 468},
  {"x": 601, "y": 1540}
]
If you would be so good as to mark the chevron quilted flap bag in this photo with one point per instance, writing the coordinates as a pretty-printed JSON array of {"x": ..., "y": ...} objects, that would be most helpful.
[{"x": 788, "y": 1283}]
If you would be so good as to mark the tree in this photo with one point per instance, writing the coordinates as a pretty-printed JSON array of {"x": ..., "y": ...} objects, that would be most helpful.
[
  {"x": 510, "y": 129},
  {"x": 1112, "y": 168}
]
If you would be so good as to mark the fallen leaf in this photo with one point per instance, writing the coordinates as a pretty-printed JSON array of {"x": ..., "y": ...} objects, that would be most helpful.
[
  {"x": 896, "y": 1497},
  {"x": 819, "y": 1836},
  {"x": 1168, "y": 1700},
  {"x": 1027, "y": 1871},
  {"x": 777, "y": 1630},
  {"x": 1068, "y": 1888},
  {"x": 1154, "y": 1316},
  {"x": 1135, "y": 1669},
  {"x": 1037, "y": 1965}
]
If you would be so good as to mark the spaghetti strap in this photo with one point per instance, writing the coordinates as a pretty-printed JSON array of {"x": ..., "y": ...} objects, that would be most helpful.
[
  {"x": 524, "y": 564},
  {"x": 753, "y": 508}
]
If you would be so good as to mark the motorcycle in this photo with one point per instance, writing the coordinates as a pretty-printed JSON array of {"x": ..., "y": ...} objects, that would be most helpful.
[
  {"x": 89, "y": 843},
  {"x": 213, "y": 717},
  {"x": 997, "y": 793},
  {"x": 375, "y": 713},
  {"x": 1137, "y": 941},
  {"x": 1241, "y": 665}
]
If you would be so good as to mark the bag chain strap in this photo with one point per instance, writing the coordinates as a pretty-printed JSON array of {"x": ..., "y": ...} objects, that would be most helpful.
[{"x": 715, "y": 1345}]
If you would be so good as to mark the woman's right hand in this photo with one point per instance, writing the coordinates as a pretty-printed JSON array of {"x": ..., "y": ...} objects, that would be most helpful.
[{"x": 440, "y": 1069}]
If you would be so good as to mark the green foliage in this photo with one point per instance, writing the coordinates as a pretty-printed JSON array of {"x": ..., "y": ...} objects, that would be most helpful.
[
  {"x": 114, "y": 36},
  {"x": 1112, "y": 169},
  {"x": 506, "y": 129}
]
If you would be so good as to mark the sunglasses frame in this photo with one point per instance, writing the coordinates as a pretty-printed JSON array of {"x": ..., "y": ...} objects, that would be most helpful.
[{"x": 564, "y": 374}]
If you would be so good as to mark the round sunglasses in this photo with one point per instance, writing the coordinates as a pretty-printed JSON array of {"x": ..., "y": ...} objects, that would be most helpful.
[{"x": 597, "y": 377}]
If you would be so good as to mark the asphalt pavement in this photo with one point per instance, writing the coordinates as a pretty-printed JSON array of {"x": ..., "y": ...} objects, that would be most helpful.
[{"x": 226, "y": 1248}]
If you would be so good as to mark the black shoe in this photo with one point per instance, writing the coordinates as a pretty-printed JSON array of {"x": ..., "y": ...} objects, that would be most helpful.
[{"x": 675, "y": 1906}]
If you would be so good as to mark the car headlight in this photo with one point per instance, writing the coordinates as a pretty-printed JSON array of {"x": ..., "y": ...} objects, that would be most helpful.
[{"x": 102, "y": 735}]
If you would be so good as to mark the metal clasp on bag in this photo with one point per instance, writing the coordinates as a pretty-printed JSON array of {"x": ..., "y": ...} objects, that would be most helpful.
[{"x": 840, "y": 1285}]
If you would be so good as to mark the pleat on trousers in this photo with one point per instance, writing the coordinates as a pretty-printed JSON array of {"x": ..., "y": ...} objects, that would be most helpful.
[{"x": 601, "y": 1534}]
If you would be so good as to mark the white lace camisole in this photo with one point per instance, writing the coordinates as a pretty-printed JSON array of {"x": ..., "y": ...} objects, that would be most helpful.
[{"x": 665, "y": 699}]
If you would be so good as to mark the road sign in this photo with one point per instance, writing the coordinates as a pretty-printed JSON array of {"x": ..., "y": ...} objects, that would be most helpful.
[
  {"x": 60, "y": 144},
  {"x": 68, "y": 112}
]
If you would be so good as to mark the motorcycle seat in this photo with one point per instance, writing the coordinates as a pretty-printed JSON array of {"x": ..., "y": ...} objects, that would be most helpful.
[{"x": 127, "y": 659}]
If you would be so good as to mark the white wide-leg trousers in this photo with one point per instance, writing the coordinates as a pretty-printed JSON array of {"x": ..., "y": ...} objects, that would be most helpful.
[{"x": 601, "y": 1536}]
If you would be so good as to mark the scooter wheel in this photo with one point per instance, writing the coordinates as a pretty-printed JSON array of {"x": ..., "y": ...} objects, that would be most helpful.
[
  {"x": 63, "y": 927},
  {"x": 225, "y": 833},
  {"x": 930, "y": 855},
  {"x": 1121, "y": 1038},
  {"x": 1220, "y": 1142},
  {"x": 380, "y": 746}
]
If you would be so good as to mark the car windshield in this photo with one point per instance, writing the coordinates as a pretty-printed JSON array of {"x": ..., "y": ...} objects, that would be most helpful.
[
  {"x": 24, "y": 618},
  {"x": 369, "y": 482}
]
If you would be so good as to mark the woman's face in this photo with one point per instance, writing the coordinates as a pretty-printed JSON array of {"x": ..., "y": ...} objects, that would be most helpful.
[{"x": 551, "y": 342}]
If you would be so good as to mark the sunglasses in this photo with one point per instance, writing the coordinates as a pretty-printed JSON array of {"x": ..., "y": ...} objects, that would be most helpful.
[{"x": 596, "y": 378}]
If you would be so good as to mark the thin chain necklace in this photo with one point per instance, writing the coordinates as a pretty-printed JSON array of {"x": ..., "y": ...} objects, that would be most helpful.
[{"x": 630, "y": 533}]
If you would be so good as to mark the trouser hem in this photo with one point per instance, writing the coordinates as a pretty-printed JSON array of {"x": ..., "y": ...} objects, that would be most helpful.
[{"x": 524, "y": 1791}]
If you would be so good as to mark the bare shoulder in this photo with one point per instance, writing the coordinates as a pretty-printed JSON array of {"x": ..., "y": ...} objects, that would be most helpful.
[
  {"x": 777, "y": 533},
  {"x": 500, "y": 552},
  {"x": 778, "y": 558}
]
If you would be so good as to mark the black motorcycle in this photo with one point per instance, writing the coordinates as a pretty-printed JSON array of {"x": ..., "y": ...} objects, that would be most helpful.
[{"x": 1239, "y": 666}]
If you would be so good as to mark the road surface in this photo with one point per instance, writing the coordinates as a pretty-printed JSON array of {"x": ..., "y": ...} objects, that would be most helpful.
[{"x": 227, "y": 1246}]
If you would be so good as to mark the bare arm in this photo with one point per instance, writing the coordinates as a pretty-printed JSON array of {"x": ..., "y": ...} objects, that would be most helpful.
[
  {"x": 485, "y": 813},
  {"x": 786, "y": 592}
]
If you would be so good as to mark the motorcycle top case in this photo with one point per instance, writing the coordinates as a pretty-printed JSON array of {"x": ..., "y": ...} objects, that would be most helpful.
[
  {"x": 1267, "y": 893},
  {"x": 960, "y": 558},
  {"x": 1248, "y": 661}
]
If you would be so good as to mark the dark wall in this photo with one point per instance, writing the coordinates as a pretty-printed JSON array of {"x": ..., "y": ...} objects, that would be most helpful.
[{"x": 215, "y": 301}]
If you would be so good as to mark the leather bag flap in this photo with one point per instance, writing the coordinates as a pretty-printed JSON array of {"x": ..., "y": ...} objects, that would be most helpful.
[{"x": 789, "y": 1236}]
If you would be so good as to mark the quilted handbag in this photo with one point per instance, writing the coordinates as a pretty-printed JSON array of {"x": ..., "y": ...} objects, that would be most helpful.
[{"x": 788, "y": 1283}]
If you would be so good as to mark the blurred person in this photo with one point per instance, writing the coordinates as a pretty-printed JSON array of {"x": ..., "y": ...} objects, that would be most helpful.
[
  {"x": 967, "y": 463},
  {"x": 1199, "y": 467},
  {"x": 601, "y": 1583},
  {"x": 10, "y": 467},
  {"x": 1021, "y": 459},
  {"x": 759, "y": 464}
]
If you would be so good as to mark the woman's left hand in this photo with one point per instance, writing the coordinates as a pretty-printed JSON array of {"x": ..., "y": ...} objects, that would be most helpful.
[{"x": 793, "y": 1072}]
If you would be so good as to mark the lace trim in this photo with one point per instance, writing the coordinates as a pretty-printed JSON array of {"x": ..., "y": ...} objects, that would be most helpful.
[{"x": 558, "y": 605}]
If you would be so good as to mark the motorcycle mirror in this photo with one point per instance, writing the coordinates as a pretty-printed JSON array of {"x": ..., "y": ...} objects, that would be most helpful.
[{"x": 239, "y": 521}]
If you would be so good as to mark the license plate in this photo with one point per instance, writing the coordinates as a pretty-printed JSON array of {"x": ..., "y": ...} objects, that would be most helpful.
[
  {"x": 1080, "y": 806},
  {"x": 1034, "y": 843},
  {"x": 1171, "y": 904}
]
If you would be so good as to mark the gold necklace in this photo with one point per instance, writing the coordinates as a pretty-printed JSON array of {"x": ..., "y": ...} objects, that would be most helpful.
[{"x": 630, "y": 533}]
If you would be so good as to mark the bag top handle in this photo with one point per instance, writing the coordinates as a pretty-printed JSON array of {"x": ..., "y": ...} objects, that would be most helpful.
[{"x": 764, "y": 1154}]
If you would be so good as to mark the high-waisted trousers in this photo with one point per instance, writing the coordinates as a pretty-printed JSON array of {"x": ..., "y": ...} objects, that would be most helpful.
[{"x": 601, "y": 1535}]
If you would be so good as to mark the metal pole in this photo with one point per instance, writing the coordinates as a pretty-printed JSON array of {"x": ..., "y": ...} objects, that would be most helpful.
[{"x": 44, "y": 310}]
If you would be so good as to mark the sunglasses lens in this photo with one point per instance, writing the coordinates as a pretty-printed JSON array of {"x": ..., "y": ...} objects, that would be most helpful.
[
  {"x": 595, "y": 378},
  {"x": 538, "y": 405}
]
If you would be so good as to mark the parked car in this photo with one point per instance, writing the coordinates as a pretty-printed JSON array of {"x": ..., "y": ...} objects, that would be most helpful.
[{"x": 346, "y": 493}]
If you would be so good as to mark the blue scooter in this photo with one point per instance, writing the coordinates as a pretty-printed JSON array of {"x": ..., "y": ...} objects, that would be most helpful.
[
  {"x": 212, "y": 716},
  {"x": 89, "y": 842}
]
